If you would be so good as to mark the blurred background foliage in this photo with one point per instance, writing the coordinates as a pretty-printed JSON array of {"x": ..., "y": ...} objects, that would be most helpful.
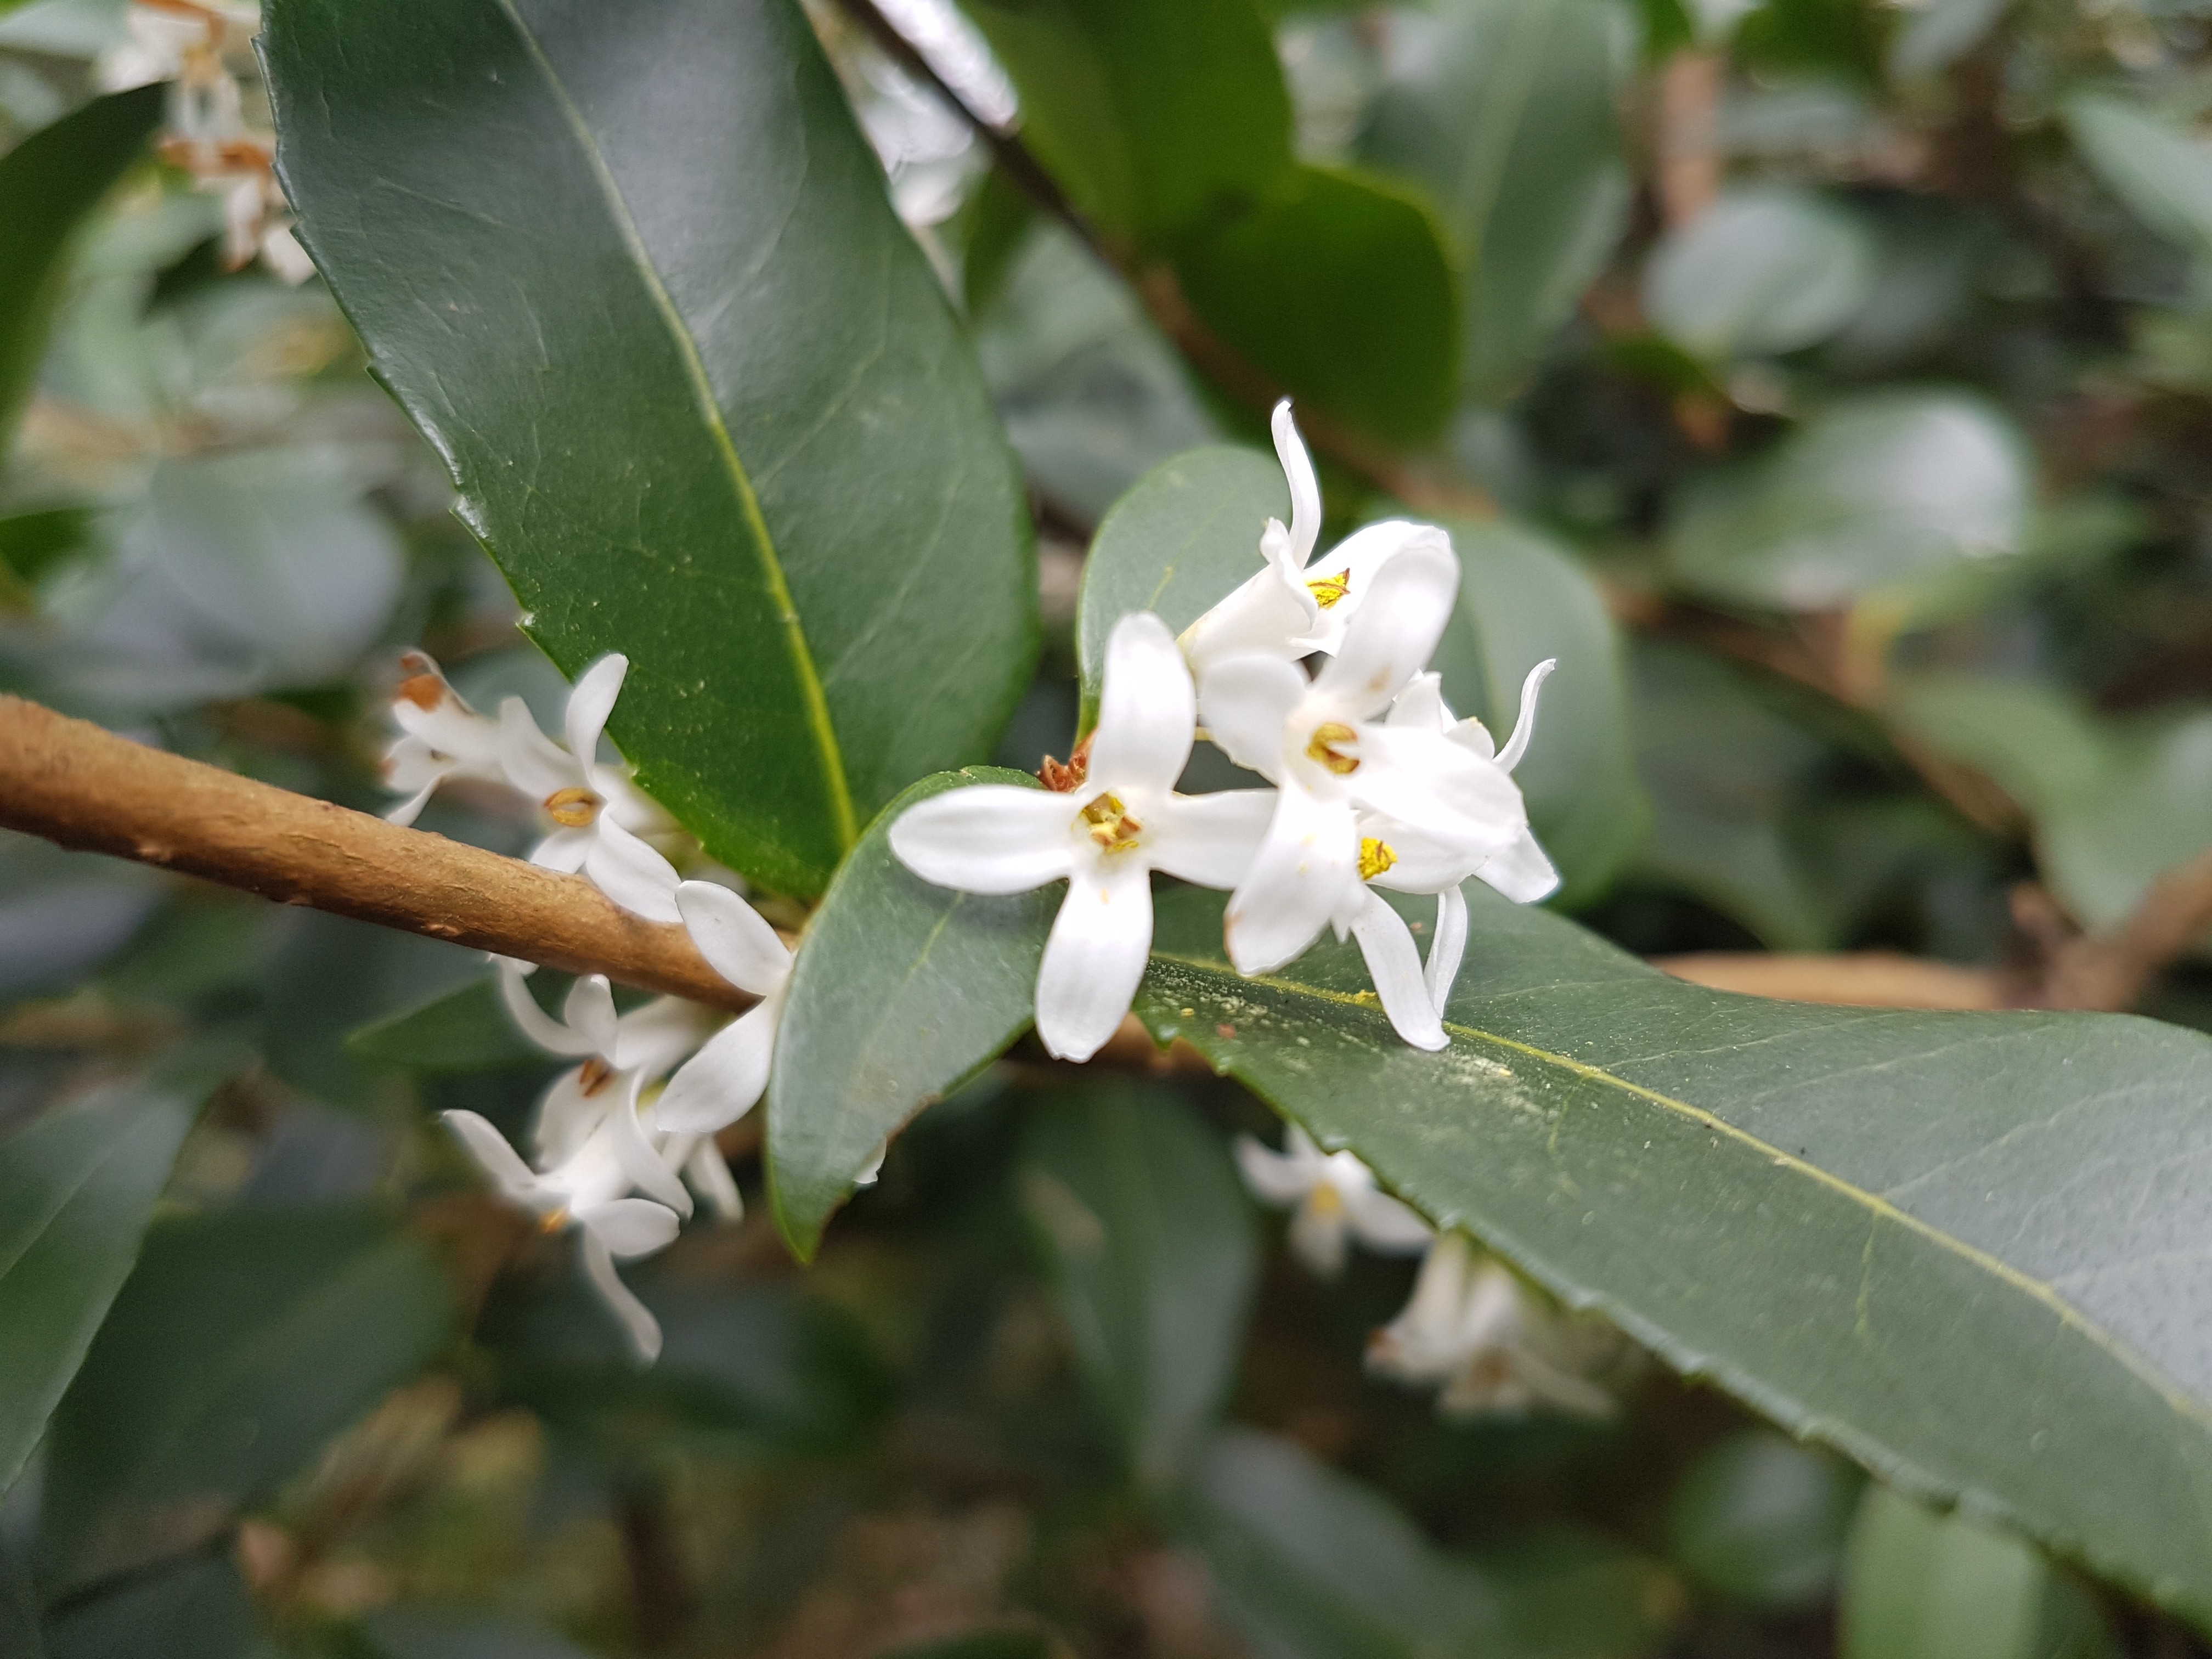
[{"x": 1829, "y": 382}]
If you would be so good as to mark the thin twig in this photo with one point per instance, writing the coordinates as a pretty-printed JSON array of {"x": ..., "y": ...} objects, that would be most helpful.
[
  {"x": 2112, "y": 970},
  {"x": 75, "y": 784}
]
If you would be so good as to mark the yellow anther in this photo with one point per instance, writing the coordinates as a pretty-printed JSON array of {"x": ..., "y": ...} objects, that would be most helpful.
[
  {"x": 1328, "y": 590},
  {"x": 1325, "y": 1200},
  {"x": 1111, "y": 826},
  {"x": 592, "y": 1076},
  {"x": 573, "y": 808},
  {"x": 553, "y": 1220},
  {"x": 1322, "y": 747},
  {"x": 1374, "y": 857}
]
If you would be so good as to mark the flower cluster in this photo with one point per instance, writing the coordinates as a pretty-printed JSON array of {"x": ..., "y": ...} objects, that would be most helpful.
[
  {"x": 1375, "y": 783},
  {"x": 192, "y": 45}
]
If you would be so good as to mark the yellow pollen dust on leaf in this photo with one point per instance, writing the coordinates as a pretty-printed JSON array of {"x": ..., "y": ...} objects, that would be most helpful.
[
  {"x": 1111, "y": 826},
  {"x": 1374, "y": 857},
  {"x": 1322, "y": 747},
  {"x": 573, "y": 808},
  {"x": 1328, "y": 590}
]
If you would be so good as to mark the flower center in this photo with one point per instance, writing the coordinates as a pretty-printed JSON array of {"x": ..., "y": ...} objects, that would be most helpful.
[
  {"x": 1110, "y": 825},
  {"x": 573, "y": 808},
  {"x": 592, "y": 1076},
  {"x": 1328, "y": 590},
  {"x": 1374, "y": 857},
  {"x": 553, "y": 1220},
  {"x": 1325, "y": 747},
  {"x": 1326, "y": 1199}
]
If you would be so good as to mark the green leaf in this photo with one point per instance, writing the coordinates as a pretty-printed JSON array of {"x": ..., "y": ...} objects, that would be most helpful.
[
  {"x": 243, "y": 1342},
  {"x": 986, "y": 1644},
  {"x": 198, "y": 1610},
  {"x": 1523, "y": 598},
  {"x": 1924, "y": 1586},
  {"x": 1149, "y": 1236},
  {"x": 1149, "y": 113},
  {"x": 1186, "y": 535},
  {"x": 1994, "y": 1300},
  {"x": 76, "y": 1187},
  {"x": 642, "y": 289},
  {"x": 464, "y": 1030},
  {"x": 1762, "y": 1521},
  {"x": 1764, "y": 269},
  {"x": 418, "y": 1633},
  {"x": 1505, "y": 110},
  {"x": 48, "y": 184},
  {"x": 1880, "y": 493},
  {"x": 1338, "y": 286},
  {"x": 2164, "y": 176},
  {"x": 902, "y": 991}
]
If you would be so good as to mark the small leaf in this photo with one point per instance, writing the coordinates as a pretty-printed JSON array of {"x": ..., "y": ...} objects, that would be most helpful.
[
  {"x": 464, "y": 1030},
  {"x": 198, "y": 1609},
  {"x": 902, "y": 991},
  {"x": 1176, "y": 545},
  {"x": 1764, "y": 269},
  {"x": 420, "y": 1633},
  {"x": 76, "y": 1187},
  {"x": 1338, "y": 286},
  {"x": 2163, "y": 174},
  {"x": 1761, "y": 1521},
  {"x": 1150, "y": 1239},
  {"x": 48, "y": 184}
]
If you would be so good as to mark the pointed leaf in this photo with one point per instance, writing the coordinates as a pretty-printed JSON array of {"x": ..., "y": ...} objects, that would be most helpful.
[{"x": 464, "y": 1030}]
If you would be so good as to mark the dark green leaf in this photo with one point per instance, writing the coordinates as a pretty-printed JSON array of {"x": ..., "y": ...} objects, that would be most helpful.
[
  {"x": 1996, "y": 1299},
  {"x": 32, "y": 544},
  {"x": 76, "y": 1188},
  {"x": 1521, "y": 599},
  {"x": 417, "y": 1633},
  {"x": 1149, "y": 112},
  {"x": 1176, "y": 545},
  {"x": 48, "y": 184},
  {"x": 1505, "y": 110},
  {"x": 641, "y": 288},
  {"x": 464, "y": 1030},
  {"x": 1761, "y": 1521},
  {"x": 243, "y": 1342},
  {"x": 902, "y": 991},
  {"x": 199, "y": 1610},
  {"x": 1337, "y": 286},
  {"x": 1150, "y": 1239},
  {"x": 2163, "y": 174},
  {"x": 1764, "y": 269}
]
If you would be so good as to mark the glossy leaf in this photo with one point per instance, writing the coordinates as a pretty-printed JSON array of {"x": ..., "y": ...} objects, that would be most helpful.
[
  {"x": 2163, "y": 174},
  {"x": 243, "y": 1342},
  {"x": 705, "y": 401},
  {"x": 901, "y": 992},
  {"x": 1761, "y": 1521},
  {"x": 464, "y": 1030},
  {"x": 48, "y": 184},
  {"x": 1504, "y": 109},
  {"x": 1150, "y": 1239},
  {"x": 1149, "y": 113},
  {"x": 1339, "y": 288},
  {"x": 76, "y": 1187},
  {"x": 1992, "y": 1300},
  {"x": 1523, "y": 598},
  {"x": 1175, "y": 544},
  {"x": 1762, "y": 270},
  {"x": 1878, "y": 493}
]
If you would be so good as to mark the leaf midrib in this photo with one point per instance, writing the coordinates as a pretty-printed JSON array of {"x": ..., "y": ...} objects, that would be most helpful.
[
  {"x": 1877, "y": 1207},
  {"x": 695, "y": 370}
]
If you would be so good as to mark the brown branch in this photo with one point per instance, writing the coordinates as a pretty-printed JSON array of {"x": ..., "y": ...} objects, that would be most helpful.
[
  {"x": 1855, "y": 979},
  {"x": 1689, "y": 136},
  {"x": 75, "y": 784},
  {"x": 2112, "y": 970}
]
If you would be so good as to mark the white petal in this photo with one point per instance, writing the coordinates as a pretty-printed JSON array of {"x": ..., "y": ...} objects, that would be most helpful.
[
  {"x": 1266, "y": 615},
  {"x": 1300, "y": 877},
  {"x": 637, "y": 1321},
  {"x": 1471, "y": 735},
  {"x": 589, "y": 1013},
  {"x": 1421, "y": 705},
  {"x": 1422, "y": 863},
  {"x": 1355, "y": 562},
  {"x": 1094, "y": 958},
  {"x": 1430, "y": 784},
  {"x": 651, "y": 1039},
  {"x": 533, "y": 762},
  {"x": 989, "y": 838},
  {"x": 709, "y": 1172},
  {"x": 282, "y": 252},
  {"x": 566, "y": 1119},
  {"x": 631, "y": 873},
  {"x": 1146, "y": 708},
  {"x": 720, "y": 1084},
  {"x": 1520, "y": 869},
  {"x": 643, "y": 1167},
  {"x": 631, "y": 1226},
  {"x": 1273, "y": 1176},
  {"x": 1299, "y": 473},
  {"x": 1395, "y": 966},
  {"x": 513, "y": 1178},
  {"x": 1524, "y": 724},
  {"x": 1381, "y": 1223},
  {"x": 411, "y": 809},
  {"x": 1209, "y": 839},
  {"x": 590, "y": 702},
  {"x": 1446, "y": 948},
  {"x": 735, "y": 939},
  {"x": 1243, "y": 702},
  {"x": 540, "y": 1027},
  {"x": 1317, "y": 1236},
  {"x": 1394, "y": 632},
  {"x": 565, "y": 850}
]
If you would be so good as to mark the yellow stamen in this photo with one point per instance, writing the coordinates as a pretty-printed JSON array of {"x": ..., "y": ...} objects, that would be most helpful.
[
  {"x": 1111, "y": 826},
  {"x": 592, "y": 1076},
  {"x": 1322, "y": 747},
  {"x": 1328, "y": 590},
  {"x": 573, "y": 808},
  {"x": 553, "y": 1220},
  {"x": 1374, "y": 857},
  {"x": 1325, "y": 1200}
]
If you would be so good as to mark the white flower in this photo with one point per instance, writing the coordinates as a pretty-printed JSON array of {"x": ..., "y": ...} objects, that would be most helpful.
[
  {"x": 719, "y": 1084},
  {"x": 1472, "y": 1328},
  {"x": 596, "y": 812},
  {"x": 1336, "y": 1200},
  {"x": 1291, "y": 609},
  {"x": 440, "y": 736},
  {"x": 1105, "y": 837},
  {"x": 1331, "y": 760},
  {"x": 167, "y": 40}
]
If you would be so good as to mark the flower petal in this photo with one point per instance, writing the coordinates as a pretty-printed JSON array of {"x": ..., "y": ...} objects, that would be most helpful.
[
  {"x": 644, "y": 1167},
  {"x": 1447, "y": 948},
  {"x": 1317, "y": 1236},
  {"x": 1394, "y": 966},
  {"x": 514, "y": 1179},
  {"x": 1421, "y": 705},
  {"x": 1381, "y": 1223},
  {"x": 631, "y": 873},
  {"x": 1520, "y": 869},
  {"x": 533, "y": 762},
  {"x": 1265, "y": 615},
  {"x": 1094, "y": 958},
  {"x": 589, "y": 1014},
  {"x": 720, "y": 1084},
  {"x": 637, "y": 1322},
  {"x": 631, "y": 1226},
  {"x": 651, "y": 1039},
  {"x": 987, "y": 838},
  {"x": 1354, "y": 564},
  {"x": 1299, "y": 877},
  {"x": 565, "y": 1118},
  {"x": 540, "y": 1027},
  {"x": 1209, "y": 839},
  {"x": 1146, "y": 708},
  {"x": 709, "y": 1172},
  {"x": 1298, "y": 474},
  {"x": 411, "y": 809},
  {"x": 590, "y": 701},
  {"x": 1394, "y": 632},
  {"x": 1429, "y": 783},
  {"x": 735, "y": 939},
  {"x": 1277, "y": 1178},
  {"x": 1524, "y": 724},
  {"x": 565, "y": 850},
  {"x": 1243, "y": 701}
]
